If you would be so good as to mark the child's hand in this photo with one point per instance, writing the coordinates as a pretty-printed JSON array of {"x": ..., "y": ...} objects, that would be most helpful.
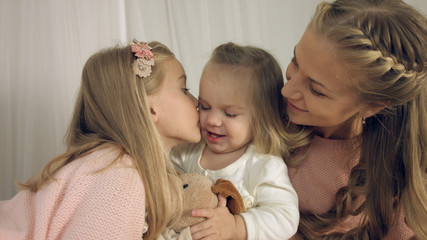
[{"x": 220, "y": 223}]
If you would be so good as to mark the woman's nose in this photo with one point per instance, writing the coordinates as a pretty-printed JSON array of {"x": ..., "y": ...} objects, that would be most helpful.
[{"x": 292, "y": 88}]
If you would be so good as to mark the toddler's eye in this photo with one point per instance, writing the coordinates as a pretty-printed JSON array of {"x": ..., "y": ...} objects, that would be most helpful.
[
  {"x": 230, "y": 115},
  {"x": 203, "y": 107}
]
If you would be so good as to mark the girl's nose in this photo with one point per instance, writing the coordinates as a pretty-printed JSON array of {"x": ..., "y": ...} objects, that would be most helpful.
[{"x": 214, "y": 119}]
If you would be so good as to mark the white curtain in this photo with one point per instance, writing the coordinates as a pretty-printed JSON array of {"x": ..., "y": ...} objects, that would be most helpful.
[
  {"x": 43, "y": 47},
  {"x": 45, "y": 43}
]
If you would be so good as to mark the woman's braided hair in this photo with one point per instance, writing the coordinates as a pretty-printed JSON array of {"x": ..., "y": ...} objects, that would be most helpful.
[{"x": 382, "y": 43}]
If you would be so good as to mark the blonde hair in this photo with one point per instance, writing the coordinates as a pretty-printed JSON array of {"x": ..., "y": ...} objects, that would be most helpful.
[
  {"x": 111, "y": 109},
  {"x": 382, "y": 42},
  {"x": 265, "y": 81}
]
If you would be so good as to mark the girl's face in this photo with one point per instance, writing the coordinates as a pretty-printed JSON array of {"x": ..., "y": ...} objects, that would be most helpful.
[
  {"x": 225, "y": 117},
  {"x": 174, "y": 109},
  {"x": 317, "y": 92}
]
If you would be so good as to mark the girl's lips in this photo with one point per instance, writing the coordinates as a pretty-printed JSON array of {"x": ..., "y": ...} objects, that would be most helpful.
[
  {"x": 295, "y": 108},
  {"x": 212, "y": 137}
]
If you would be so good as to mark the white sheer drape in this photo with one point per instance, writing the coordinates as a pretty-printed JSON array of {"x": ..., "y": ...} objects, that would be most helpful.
[
  {"x": 44, "y": 44},
  {"x": 43, "y": 47},
  {"x": 192, "y": 28}
]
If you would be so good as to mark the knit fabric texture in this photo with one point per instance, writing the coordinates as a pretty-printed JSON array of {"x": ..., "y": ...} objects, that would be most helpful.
[
  {"x": 90, "y": 198},
  {"x": 325, "y": 170}
]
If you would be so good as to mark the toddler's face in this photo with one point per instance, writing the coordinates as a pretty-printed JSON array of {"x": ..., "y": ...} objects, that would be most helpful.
[{"x": 225, "y": 117}]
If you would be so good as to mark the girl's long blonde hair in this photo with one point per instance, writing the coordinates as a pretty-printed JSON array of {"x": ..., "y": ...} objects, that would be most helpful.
[
  {"x": 111, "y": 109},
  {"x": 383, "y": 43}
]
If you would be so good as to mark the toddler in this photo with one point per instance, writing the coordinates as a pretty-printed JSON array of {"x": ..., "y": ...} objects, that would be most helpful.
[{"x": 243, "y": 134}]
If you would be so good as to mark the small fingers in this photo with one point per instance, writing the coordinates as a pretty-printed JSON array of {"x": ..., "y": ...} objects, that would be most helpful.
[
  {"x": 205, "y": 234},
  {"x": 206, "y": 213},
  {"x": 201, "y": 230},
  {"x": 222, "y": 201}
]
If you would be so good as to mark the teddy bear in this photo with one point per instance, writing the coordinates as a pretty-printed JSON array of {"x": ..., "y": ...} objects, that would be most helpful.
[{"x": 199, "y": 192}]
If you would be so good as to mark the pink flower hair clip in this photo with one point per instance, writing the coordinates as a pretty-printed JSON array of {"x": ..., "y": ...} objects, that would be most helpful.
[{"x": 145, "y": 59}]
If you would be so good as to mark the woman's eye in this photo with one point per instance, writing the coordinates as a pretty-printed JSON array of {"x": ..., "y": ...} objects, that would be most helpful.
[
  {"x": 294, "y": 61},
  {"x": 317, "y": 93}
]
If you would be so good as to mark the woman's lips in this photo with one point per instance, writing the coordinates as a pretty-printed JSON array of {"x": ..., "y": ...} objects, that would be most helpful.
[{"x": 295, "y": 108}]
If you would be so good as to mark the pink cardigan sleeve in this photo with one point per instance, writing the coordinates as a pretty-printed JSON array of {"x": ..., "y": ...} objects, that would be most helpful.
[
  {"x": 105, "y": 205},
  {"x": 90, "y": 198}
]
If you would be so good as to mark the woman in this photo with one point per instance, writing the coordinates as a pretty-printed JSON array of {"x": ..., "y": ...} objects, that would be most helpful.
[{"x": 357, "y": 84}]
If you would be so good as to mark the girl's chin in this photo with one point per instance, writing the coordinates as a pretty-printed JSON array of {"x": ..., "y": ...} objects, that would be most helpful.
[{"x": 195, "y": 139}]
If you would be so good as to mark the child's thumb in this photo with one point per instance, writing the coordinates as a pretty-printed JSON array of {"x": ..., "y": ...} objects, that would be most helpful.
[{"x": 222, "y": 201}]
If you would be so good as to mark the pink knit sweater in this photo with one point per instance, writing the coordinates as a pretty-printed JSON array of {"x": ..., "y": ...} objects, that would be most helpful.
[
  {"x": 81, "y": 203},
  {"x": 325, "y": 170}
]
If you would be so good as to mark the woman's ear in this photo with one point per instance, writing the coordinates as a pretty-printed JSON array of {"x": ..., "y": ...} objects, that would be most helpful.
[{"x": 372, "y": 110}]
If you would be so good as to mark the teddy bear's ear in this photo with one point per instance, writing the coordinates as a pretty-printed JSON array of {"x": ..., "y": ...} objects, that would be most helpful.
[{"x": 234, "y": 200}]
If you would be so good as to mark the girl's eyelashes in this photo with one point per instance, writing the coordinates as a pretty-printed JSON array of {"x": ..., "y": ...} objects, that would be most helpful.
[
  {"x": 230, "y": 115},
  {"x": 203, "y": 107},
  {"x": 186, "y": 90}
]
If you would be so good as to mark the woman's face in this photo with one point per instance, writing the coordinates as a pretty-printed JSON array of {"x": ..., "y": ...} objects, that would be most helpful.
[
  {"x": 317, "y": 92},
  {"x": 174, "y": 109}
]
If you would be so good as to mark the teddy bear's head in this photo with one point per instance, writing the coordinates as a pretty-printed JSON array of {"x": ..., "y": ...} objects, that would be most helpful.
[{"x": 199, "y": 192}]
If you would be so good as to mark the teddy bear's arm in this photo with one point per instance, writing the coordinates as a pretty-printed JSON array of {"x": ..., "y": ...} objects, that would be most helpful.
[{"x": 234, "y": 199}]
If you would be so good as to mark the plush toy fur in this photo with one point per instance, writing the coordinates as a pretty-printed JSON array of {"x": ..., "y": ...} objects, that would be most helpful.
[
  {"x": 234, "y": 199},
  {"x": 199, "y": 192}
]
